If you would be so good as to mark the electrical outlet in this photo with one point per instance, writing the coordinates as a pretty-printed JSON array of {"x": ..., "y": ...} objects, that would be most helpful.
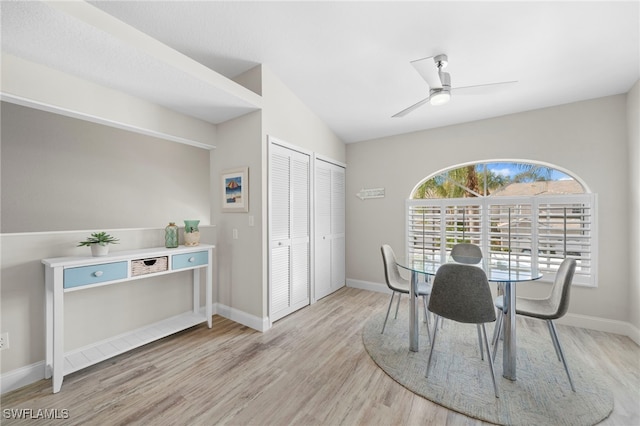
[{"x": 4, "y": 341}]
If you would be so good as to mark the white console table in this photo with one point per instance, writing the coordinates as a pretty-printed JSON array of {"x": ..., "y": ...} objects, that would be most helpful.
[{"x": 66, "y": 274}]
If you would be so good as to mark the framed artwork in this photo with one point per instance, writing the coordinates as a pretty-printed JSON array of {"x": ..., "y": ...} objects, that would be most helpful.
[{"x": 235, "y": 190}]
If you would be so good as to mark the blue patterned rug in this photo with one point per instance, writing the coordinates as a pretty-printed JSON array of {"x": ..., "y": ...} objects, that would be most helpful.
[{"x": 461, "y": 381}]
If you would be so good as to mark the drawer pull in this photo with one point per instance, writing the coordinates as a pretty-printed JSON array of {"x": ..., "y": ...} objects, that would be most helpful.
[
  {"x": 192, "y": 259},
  {"x": 97, "y": 273},
  {"x": 150, "y": 262}
]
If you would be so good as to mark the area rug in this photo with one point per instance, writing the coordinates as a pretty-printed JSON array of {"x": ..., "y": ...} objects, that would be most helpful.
[{"x": 461, "y": 381}]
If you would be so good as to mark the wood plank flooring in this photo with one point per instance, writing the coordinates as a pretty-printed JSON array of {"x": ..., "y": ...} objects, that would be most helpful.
[{"x": 310, "y": 369}]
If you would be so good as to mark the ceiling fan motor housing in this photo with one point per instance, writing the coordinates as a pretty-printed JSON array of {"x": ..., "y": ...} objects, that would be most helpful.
[{"x": 445, "y": 80}]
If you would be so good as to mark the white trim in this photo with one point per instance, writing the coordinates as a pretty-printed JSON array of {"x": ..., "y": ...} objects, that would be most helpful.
[
  {"x": 241, "y": 317},
  {"x": 330, "y": 160},
  {"x": 601, "y": 324},
  {"x": 70, "y": 231},
  {"x": 19, "y": 100},
  {"x": 368, "y": 285},
  {"x": 276, "y": 141},
  {"x": 22, "y": 376}
]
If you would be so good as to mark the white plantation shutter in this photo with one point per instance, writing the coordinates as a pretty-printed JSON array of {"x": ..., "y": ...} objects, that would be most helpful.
[
  {"x": 566, "y": 228},
  {"x": 538, "y": 231},
  {"x": 510, "y": 236}
]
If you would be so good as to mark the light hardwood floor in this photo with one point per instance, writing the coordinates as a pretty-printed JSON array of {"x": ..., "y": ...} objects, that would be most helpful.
[{"x": 310, "y": 369}]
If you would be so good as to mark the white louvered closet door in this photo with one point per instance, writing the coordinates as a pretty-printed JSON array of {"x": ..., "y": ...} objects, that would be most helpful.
[
  {"x": 289, "y": 184},
  {"x": 329, "y": 228}
]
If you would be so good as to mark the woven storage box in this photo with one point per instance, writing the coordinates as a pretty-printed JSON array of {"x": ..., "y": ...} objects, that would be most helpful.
[{"x": 149, "y": 266}]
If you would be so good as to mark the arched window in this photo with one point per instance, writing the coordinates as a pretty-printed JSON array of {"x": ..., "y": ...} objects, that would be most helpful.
[{"x": 518, "y": 212}]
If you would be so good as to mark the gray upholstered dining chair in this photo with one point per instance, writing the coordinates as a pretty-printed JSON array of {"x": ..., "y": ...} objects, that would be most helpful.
[
  {"x": 466, "y": 253},
  {"x": 548, "y": 309},
  {"x": 461, "y": 293},
  {"x": 400, "y": 285},
  {"x": 469, "y": 254}
]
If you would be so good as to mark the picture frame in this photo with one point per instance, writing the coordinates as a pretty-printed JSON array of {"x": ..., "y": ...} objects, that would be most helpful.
[{"x": 235, "y": 190}]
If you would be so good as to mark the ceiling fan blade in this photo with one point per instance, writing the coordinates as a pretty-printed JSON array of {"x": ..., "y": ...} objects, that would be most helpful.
[
  {"x": 428, "y": 70},
  {"x": 411, "y": 108},
  {"x": 483, "y": 85}
]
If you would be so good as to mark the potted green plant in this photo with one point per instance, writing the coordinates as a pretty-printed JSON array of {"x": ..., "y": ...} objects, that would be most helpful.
[{"x": 99, "y": 243}]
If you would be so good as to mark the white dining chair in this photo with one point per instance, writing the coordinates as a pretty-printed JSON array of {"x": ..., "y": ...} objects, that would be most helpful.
[
  {"x": 552, "y": 307},
  {"x": 400, "y": 285}
]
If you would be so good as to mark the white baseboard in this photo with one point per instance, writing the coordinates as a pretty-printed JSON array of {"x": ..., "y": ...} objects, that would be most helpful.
[
  {"x": 602, "y": 324},
  {"x": 22, "y": 376},
  {"x": 575, "y": 320},
  {"x": 241, "y": 317},
  {"x": 368, "y": 285}
]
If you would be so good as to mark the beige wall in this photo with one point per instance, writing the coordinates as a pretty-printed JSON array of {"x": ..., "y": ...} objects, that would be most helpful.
[
  {"x": 239, "y": 260},
  {"x": 633, "y": 122},
  {"x": 50, "y": 197},
  {"x": 588, "y": 138},
  {"x": 243, "y": 268},
  {"x": 241, "y": 272},
  {"x": 289, "y": 120},
  {"x": 61, "y": 173}
]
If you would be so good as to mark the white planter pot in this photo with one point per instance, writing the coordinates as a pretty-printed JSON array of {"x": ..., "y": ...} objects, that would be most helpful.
[{"x": 98, "y": 250}]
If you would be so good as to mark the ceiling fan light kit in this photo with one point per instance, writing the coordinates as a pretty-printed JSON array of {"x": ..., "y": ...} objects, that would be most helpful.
[{"x": 439, "y": 97}]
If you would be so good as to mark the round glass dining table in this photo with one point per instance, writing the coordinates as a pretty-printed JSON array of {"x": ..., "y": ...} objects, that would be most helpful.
[{"x": 502, "y": 272}]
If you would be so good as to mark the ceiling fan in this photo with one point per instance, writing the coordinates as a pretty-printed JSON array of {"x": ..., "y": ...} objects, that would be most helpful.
[{"x": 431, "y": 69}]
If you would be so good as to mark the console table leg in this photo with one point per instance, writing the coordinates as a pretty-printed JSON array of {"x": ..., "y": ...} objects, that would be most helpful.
[
  {"x": 58, "y": 332},
  {"x": 209, "y": 290},
  {"x": 196, "y": 291}
]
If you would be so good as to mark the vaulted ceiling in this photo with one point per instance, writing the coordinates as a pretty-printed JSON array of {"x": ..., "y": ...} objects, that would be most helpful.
[{"x": 349, "y": 61}]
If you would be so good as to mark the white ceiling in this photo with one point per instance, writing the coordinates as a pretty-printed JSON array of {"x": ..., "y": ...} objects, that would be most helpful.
[{"x": 349, "y": 61}]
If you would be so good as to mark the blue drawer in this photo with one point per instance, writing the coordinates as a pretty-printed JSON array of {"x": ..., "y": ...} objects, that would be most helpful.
[
  {"x": 189, "y": 260},
  {"x": 93, "y": 274}
]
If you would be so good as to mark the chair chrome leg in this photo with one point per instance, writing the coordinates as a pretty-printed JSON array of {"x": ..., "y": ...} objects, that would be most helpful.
[
  {"x": 480, "y": 342},
  {"x": 393, "y": 293},
  {"x": 493, "y": 373},
  {"x": 552, "y": 327},
  {"x": 424, "y": 306},
  {"x": 497, "y": 332},
  {"x": 426, "y": 317},
  {"x": 555, "y": 345},
  {"x": 433, "y": 345},
  {"x": 496, "y": 328},
  {"x": 398, "y": 305}
]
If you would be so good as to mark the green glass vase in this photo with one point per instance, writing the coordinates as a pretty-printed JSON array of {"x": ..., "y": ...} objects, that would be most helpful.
[{"x": 171, "y": 235}]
